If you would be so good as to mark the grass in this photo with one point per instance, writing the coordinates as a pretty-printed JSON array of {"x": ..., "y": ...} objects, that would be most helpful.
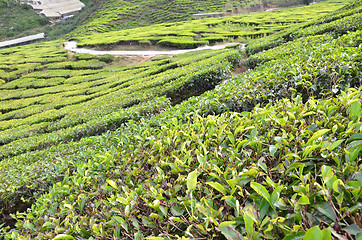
[{"x": 18, "y": 20}]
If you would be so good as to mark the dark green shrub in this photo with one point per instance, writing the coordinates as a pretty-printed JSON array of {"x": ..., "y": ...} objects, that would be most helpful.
[
  {"x": 107, "y": 58},
  {"x": 84, "y": 56}
]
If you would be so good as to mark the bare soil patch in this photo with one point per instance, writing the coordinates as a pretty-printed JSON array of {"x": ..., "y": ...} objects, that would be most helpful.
[{"x": 127, "y": 60}]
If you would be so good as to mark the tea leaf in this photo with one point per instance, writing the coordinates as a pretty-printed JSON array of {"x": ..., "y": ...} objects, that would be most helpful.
[
  {"x": 112, "y": 183},
  {"x": 218, "y": 187},
  {"x": 304, "y": 200},
  {"x": 63, "y": 236},
  {"x": 335, "y": 144},
  {"x": 317, "y": 135},
  {"x": 355, "y": 109},
  {"x": 272, "y": 150},
  {"x": 230, "y": 233},
  {"x": 192, "y": 180},
  {"x": 261, "y": 190},
  {"x": 316, "y": 234}
]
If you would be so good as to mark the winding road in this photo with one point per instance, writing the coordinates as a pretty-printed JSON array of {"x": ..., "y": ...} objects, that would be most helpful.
[{"x": 72, "y": 46}]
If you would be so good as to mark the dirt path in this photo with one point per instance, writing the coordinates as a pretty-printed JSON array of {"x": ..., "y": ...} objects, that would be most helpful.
[{"x": 72, "y": 46}]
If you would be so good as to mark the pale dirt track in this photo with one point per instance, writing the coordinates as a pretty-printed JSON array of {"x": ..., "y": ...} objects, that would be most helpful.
[{"x": 72, "y": 46}]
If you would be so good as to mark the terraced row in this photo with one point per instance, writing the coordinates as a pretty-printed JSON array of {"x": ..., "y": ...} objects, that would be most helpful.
[
  {"x": 123, "y": 14},
  {"x": 53, "y": 102},
  {"x": 257, "y": 157},
  {"x": 337, "y": 23},
  {"x": 190, "y": 34}
]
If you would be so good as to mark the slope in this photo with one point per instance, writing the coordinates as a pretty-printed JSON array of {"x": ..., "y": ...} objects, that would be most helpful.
[
  {"x": 49, "y": 98},
  {"x": 257, "y": 157},
  {"x": 125, "y": 14},
  {"x": 190, "y": 34},
  {"x": 18, "y": 20}
]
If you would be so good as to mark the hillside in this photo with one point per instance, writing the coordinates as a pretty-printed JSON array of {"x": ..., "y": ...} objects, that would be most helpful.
[
  {"x": 190, "y": 34},
  {"x": 18, "y": 20},
  {"x": 261, "y": 143},
  {"x": 125, "y": 14}
]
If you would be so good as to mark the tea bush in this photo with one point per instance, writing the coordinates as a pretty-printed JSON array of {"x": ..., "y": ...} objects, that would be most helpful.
[
  {"x": 70, "y": 97},
  {"x": 272, "y": 153},
  {"x": 336, "y": 23},
  {"x": 237, "y": 174},
  {"x": 190, "y": 34},
  {"x": 107, "y": 58}
]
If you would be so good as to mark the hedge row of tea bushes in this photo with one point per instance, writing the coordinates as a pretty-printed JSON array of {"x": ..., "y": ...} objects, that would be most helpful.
[
  {"x": 283, "y": 171},
  {"x": 195, "y": 33},
  {"x": 71, "y": 100},
  {"x": 242, "y": 134},
  {"x": 123, "y": 14},
  {"x": 336, "y": 23},
  {"x": 33, "y": 172},
  {"x": 252, "y": 159},
  {"x": 18, "y": 61},
  {"x": 42, "y": 118}
]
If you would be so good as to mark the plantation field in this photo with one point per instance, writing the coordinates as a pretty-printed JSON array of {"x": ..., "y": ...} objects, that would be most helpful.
[
  {"x": 95, "y": 150},
  {"x": 124, "y": 14},
  {"x": 338, "y": 23},
  {"x": 190, "y": 34},
  {"x": 48, "y": 97}
]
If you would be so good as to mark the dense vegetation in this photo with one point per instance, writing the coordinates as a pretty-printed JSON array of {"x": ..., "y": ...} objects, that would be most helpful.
[
  {"x": 272, "y": 153},
  {"x": 125, "y": 14},
  {"x": 18, "y": 20},
  {"x": 191, "y": 34},
  {"x": 47, "y": 98}
]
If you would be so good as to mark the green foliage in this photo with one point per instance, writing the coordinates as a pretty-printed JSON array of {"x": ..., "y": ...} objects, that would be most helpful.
[
  {"x": 336, "y": 24},
  {"x": 84, "y": 56},
  {"x": 195, "y": 168},
  {"x": 190, "y": 34},
  {"x": 181, "y": 42},
  {"x": 122, "y": 14},
  {"x": 59, "y": 102},
  {"x": 316, "y": 233},
  {"x": 272, "y": 153},
  {"x": 17, "y": 20},
  {"x": 82, "y": 64},
  {"x": 107, "y": 58}
]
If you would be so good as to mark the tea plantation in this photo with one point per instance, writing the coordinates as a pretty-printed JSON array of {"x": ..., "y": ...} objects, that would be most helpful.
[
  {"x": 185, "y": 146},
  {"x": 19, "y": 20},
  {"x": 191, "y": 34},
  {"x": 124, "y": 14},
  {"x": 47, "y": 97}
]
